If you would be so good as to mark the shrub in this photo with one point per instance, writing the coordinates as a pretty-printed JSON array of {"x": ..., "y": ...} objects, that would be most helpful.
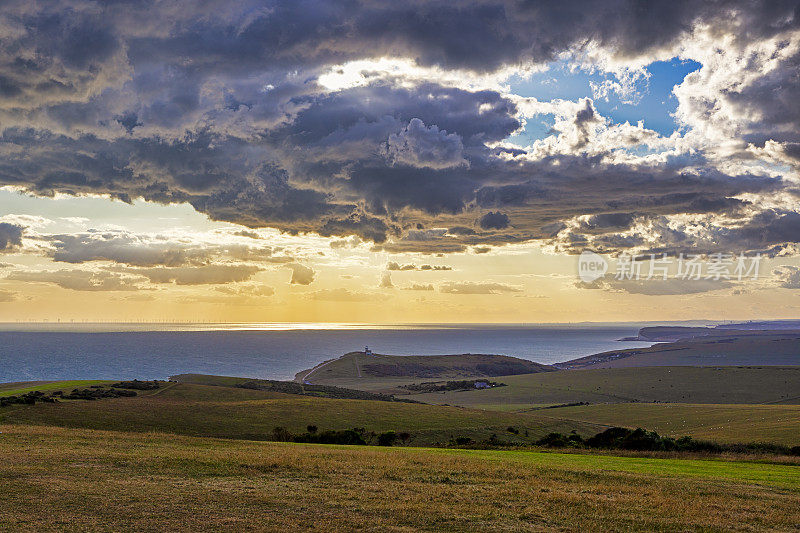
[
  {"x": 347, "y": 436},
  {"x": 688, "y": 444},
  {"x": 134, "y": 385},
  {"x": 617, "y": 438},
  {"x": 463, "y": 441},
  {"x": 626, "y": 439},
  {"x": 641, "y": 440},
  {"x": 559, "y": 440},
  {"x": 96, "y": 394},
  {"x": 311, "y": 429},
  {"x": 387, "y": 438}
]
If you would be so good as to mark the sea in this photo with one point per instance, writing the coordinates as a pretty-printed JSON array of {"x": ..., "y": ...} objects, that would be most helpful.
[{"x": 61, "y": 351}]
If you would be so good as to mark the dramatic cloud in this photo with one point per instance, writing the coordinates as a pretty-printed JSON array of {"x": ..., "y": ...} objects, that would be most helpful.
[
  {"x": 10, "y": 236},
  {"x": 389, "y": 120},
  {"x": 419, "y": 146}
]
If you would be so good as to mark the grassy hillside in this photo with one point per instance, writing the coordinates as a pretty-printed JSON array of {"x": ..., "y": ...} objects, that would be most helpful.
[
  {"x": 288, "y": 387},
  {"x": 781, "y": 349},
  {"x": 713, "y": 385},
  {"x": 721, "y": 423},
  {"x": 673, "y": 333},
  {"x": 11, "y": 389},
  {"x": 75, "y": 479},
  {"x": 358, "y": 365},
  {"x": 217, "y": 411}
]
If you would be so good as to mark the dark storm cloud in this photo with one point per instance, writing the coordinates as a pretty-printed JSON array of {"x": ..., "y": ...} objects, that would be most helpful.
[
  {"x": 220, "y": 106},
  {"x": 479, "y": 35},
  {"x": 10, "y": 236},
  {"x": 420, "y": 146},
  {"x": 584, "y": 119},
  {"x": 366, "y": 227},
  {"x": 605, "y": 221},
  {"x": 494, "y": 220}
]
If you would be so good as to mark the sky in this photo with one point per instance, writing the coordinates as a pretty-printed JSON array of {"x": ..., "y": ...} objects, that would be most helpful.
[{"x": 399, "y": 162}]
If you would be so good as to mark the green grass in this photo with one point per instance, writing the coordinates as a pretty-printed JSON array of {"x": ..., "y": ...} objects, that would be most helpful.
[
  {"x": 767, "y": 474},
  {"x": 149, "y": 463},
  {"x": 216, "y": 411},
  {"x": 722, "y": 423},
  {"x": 206, "y": 379},
  {"x": 11, "y": 389},
  {"x": 57, "y": 479},
  {"x": 232, "y": 412},
  {"x": 728, "y": 404},
  {"x": 712, "y": 385}
]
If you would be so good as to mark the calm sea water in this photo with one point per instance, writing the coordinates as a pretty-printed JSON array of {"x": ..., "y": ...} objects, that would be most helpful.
[{"x": 80, "y": 351}]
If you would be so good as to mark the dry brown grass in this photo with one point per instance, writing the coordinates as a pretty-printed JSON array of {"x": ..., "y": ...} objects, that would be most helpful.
[{"x": 78, "y": 479}]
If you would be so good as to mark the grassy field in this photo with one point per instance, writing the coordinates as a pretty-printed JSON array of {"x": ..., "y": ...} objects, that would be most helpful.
[
  {"x": 622, "y": 397},
  {"x": 11, "y": 389},
  {"x": 57, "y": 479},
  {"x": 713, "y": 385},
  {"x": 722, "y": 423},
  {"x": 728, "y": 404},
  {"x": 216, "y": 411}
]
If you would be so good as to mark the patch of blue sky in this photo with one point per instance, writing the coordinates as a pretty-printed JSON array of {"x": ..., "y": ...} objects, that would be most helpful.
[
  {"x": 537, "y": 127},
  {"x": 654, "y": 104}
]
